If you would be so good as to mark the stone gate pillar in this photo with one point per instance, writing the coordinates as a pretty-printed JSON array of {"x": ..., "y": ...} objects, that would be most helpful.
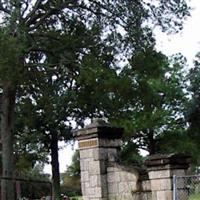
[
  {"x": 98, "y": 145},
  {"x": 161, "y": 169}
]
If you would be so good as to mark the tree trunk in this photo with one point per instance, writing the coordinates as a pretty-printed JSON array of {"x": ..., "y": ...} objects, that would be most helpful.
[
  {"x": 152, "y": 143},
  {"x": 7, "y": 136},
  {"x": 55, "y": 166}
]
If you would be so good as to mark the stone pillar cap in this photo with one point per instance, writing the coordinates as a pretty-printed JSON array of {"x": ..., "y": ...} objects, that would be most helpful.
[
  {"x": 168, "y": 159},
  {"x": 99, "y": 129}
]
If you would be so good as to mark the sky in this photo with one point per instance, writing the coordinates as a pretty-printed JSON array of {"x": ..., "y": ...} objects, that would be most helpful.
[
  {"x": 187, "y": 42},
  {"x": 65, "y": 156}
]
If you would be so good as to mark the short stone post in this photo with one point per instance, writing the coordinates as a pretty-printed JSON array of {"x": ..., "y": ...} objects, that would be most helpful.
[
  {"x": 161, "y": 169},
  {"x": 98, "y": 146}
]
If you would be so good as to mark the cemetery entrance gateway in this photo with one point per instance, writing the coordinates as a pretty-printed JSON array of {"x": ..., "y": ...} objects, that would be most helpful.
[
  {"x": 186, "y": 187},
  {"x": 104, "y": 177}
]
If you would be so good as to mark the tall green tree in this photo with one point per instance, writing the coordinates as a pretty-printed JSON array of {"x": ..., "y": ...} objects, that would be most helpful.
[
  {"x": 27, "y": 25},
  {"x": 156, "y": 105},
  {"x": 193, "y": 110},
  {"x": 65, "y": 94}
]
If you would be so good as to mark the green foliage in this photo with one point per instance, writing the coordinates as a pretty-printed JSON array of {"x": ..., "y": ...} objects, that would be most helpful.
[
  {"x": 74, "y": 168},
  {"x": 156, "y": 103},
  {"x": 71, "y": 178},
  {"x": 130, "y": 155},
  {"x": 76, "y": 198},
  {"x": 71, "y": 186},
  {"x": 36, "y": 173},
  {"x": 194, "y": 197},
  {"x": 61, "y": 57},
  {"x": 49, "y": 39},
  {"x": 10, "y": 56},
  {"x": 193, "y": 111}
]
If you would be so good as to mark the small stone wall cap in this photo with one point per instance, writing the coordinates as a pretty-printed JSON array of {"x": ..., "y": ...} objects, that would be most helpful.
[
  {"x": 159, "y": 156},
  {"x": 163, "y": 159},
  {"x": 172, "y": 155}
]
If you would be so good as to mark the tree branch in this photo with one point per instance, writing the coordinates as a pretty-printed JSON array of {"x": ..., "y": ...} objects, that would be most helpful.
[
  {"x": 3, "y": 9},
  {"x": 25, "y": 9},
  {"x": 32, "y": 13},
  {"x": 41, "y": 17}
]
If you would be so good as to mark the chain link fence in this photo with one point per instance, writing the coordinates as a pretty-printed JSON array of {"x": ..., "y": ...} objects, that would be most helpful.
[
  {"x": 28, "y": 189},
  {"x": 186, "y": 187}
]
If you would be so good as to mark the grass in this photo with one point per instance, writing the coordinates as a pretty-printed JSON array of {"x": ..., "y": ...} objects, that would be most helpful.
[
  {"x": 194, "y": 197},
  {"x": 76, "y": 198}
]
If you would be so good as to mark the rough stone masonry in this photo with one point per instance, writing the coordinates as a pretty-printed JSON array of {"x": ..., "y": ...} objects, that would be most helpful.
[{"x": 104, "y": 178}]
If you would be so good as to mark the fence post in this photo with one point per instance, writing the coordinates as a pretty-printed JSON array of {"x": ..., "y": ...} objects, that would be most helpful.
[{"x": 174, "y": 187}]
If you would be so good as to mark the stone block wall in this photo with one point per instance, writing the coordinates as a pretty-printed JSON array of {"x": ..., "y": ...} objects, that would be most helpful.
[
  {"x": 122, "y": 182},
  {"x": 161, "y": 169},
  {"x": 93, "y": 175}
]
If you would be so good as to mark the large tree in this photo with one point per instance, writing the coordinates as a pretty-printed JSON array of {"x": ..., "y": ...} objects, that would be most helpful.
[
  {"x": 26, "y": 27},
  {"x": 193, "y": 110},
  {"x": 66, "y": 94},
  {"x": 155, "y": 107}
]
